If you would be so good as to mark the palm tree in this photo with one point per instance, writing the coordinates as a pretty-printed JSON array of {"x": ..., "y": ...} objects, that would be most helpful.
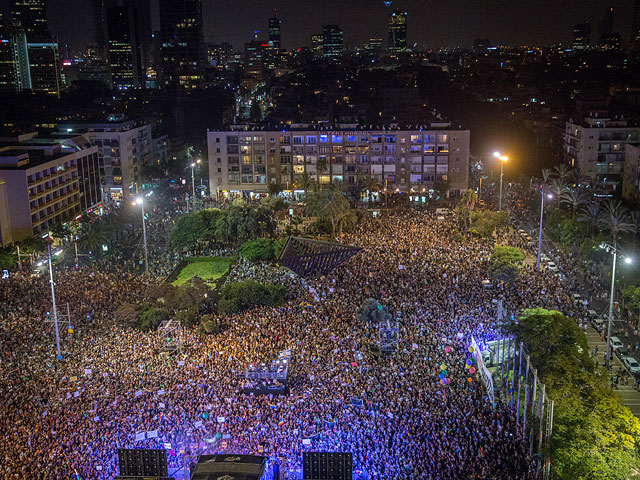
[
  {"x": 93, "y": 237},
  {"x": 615, "y": 218},
  {"x": 590, "y": 215},
  {"x": 558, "y": 187},
  {"x": 305, "y": 182},
  {"x": 346, "y": 217},
  {"x": 333, "y": 204},
  {"x": 369, "y": 184},
  {"x": 562, "y": 171},
  {"x": 546, "y": 173},
  {"x": 575, "y": 198},
  {"x": 578, "y": 178},
  {"x": 465, "y": 206}
]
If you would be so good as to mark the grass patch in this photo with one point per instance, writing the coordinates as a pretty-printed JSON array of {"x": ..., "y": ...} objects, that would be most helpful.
[{"x": 209, "y": 269}]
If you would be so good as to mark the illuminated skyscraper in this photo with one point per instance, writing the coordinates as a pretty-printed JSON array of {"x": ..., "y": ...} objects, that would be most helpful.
[
  {"x": 332, "y": 41},
  {"x": 581, "y": 36},
  {"x": 274, "y": 32},
  {"x": 30, "y": 16},
  {"x": 182, "y": 50},
  {"x": 397, "y": 31},
  {"x": 635, "y": 25}
]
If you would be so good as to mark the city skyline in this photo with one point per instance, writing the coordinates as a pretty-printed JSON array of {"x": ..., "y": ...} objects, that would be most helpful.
[{"x": 457, "y": 24}]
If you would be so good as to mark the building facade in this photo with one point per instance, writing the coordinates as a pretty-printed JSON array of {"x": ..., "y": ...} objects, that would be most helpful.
[
  {"x": 407, "y": 160},
  {"x": 397, "y": 31},
  {"x": 41, "y": 188},
  {"x": 124, "y": 146},
  {"x": 631, "y": 174},
  {"x": 597, "y": 147},
  {"x": 332, "y": 41}
]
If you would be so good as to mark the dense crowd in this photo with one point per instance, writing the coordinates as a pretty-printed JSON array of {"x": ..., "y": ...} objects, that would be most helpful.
[{"x": 112, "y": 389}]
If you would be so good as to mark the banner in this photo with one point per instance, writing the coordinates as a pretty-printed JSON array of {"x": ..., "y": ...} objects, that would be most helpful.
[
  {"x": 152, "y": 434},
  {"x": 487, "y": 379},
  {"x": 140, "y": 436}
]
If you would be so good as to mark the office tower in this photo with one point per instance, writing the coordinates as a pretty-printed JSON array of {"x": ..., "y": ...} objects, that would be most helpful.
[
  {"x": 274, "y": 32},
  {"x": 581, "y": 36},
  {"x": 254, "y": 63},
  {"x": 606, "y": 25},
  {"x": 120, "y": 48},
  {"x": 44, "y": 67},
  {"x": 332, "y": 41},
  {"x": 635, "y": 26},
  {"x": 30, "y": 16},
  {"x": 316, "y": 45},
  {"x": 7, "y": 62},
  {"x": 182, "y": 49},
  {"x": 397, "y": 31}
]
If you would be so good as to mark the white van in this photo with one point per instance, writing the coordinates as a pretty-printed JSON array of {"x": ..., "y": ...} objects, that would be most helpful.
[
  {"x": 616, "y": 343},
  {"x": 442, "y": 211}
]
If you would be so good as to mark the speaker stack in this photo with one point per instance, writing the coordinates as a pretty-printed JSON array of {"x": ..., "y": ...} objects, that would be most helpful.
[
  {"x": 146, "y": 463},
  {"x": 327, "y": 465}
]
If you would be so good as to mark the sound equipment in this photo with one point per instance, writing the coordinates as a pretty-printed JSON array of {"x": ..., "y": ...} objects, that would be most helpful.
[
  {"x": 327, "y": 465},
  {"x": 143, "y": 478},
  {"x": 229, "y": 467},
  {"x": 142, "y": 462}
]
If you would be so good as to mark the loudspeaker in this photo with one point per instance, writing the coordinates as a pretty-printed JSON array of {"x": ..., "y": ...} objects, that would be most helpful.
[
  {"x": 327, "y": 465},
  {"x": 142, "y": 462}
]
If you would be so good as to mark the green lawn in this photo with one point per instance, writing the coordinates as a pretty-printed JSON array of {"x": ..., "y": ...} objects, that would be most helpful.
[{"x": 208, "y": 269}]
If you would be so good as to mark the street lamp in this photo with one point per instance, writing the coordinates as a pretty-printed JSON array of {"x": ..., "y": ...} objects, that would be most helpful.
[
  {"x": 549, "y": 196},
  {"x": 503, "y": 159},
  {"x": 47, "y": 238},
  {"x": 193, "y": 183},
  {"x": 140, "y": 201},
  {"x": 612, "y": 249}
]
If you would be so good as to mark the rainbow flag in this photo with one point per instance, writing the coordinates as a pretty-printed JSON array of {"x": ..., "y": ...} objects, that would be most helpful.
[{"x": 280, "y": 423}]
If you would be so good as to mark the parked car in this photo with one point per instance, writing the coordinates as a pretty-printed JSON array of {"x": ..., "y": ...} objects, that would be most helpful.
[
  {"x": 598, "y": 324},
  {"x": 631, "y": 364},
  {"x": 621, "y": 353},
  {"x": 616, "y": 343}
]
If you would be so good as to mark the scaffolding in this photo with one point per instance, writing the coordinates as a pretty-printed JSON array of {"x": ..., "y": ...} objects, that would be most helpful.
[{"x": 170, "y": 332}]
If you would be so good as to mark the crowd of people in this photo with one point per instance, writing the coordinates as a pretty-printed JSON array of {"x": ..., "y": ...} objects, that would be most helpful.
[{"x": 113, "y": 390}]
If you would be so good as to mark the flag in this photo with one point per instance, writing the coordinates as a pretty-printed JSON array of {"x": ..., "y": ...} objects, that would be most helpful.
[
  {"x": 280, "y": 423},
  {"x": 140, "y": 436}
]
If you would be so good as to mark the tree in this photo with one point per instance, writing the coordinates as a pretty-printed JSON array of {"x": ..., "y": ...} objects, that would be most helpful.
[
  {"x": 558, "y": 187},
  {"x": 465, "y": 208},
  {"x": 505, "y": 262},
  {"x": 614, "y": 218},
  {"x": 151, "y": 318},
  {"x": 578, "y": 178},
  {"x": 239, "y": 296},
  {"x": 369, "y": 184},
  {"x": 322, "y": 166},
  {"x": 590, "y": 215},
  {"x": 441, "y": 187},
  {"x": 562, "y": 171},
  {"x": 188, "y": 231},
  {"x": 258, "y": 249},
  {"x": 373, "y": 312},
  {"x": 334, "y": 205},
  {"x": 631, "y": 294},
  {"x": 485, "y": 223},
  {"x": 93, "y": 236},
  {"x": 594, "y": 436},
  {"x": 305, "y": 182},
  {"x": 274, "y": 189},
  {"x": 574, "y": 198}
]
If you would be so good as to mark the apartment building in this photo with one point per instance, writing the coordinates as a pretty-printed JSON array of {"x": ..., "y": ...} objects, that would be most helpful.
[
  {"x": 39, "y": 187},
  {"x": 631, "y": 176},
  {"x": 124, "y": 146},
  {"x": 244, "y": 161},
  {"x": 597, "y": 146}
]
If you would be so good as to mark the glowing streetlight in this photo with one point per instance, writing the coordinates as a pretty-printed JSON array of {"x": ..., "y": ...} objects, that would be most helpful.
[
  {"x": 193, "y": 183},
  {"x": 542, "y": 195},
  {"x": 503, "y": 159},
  {"x": 140, "y": 201}
]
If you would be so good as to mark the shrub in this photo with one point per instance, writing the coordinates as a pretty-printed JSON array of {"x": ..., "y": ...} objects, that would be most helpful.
[
  {"x": 504, "y": 264},
  {"x": 258, "y": 249},
  {"x": 239, "y": 296},
  {"x": 151, "y": 318}
]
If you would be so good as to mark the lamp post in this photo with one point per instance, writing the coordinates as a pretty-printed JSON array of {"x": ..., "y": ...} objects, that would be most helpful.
[
  {"x": 140, "y": 201},
  {"x": 193, "y": 183},
  {"x": 540, "y": 229},
  {"x": 503, "y": 159},
  {"x": 613, "y": 249},
  {"x": 49, "y": 241}
]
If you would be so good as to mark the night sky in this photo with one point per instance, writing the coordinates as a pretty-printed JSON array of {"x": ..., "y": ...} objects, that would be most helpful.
[{"x": 431, "y": 23}]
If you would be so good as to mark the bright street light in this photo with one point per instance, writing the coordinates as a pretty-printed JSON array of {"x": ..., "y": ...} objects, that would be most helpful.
[
  {"x": 140, "y": 202},
  {"x": 504, "y": 159},
  {"x": 628, "y": 260}
]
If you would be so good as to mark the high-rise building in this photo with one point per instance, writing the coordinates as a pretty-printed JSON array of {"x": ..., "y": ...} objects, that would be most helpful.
[
  {"x": 316, "y": 44},
  {"x": 581, "y": 36},
  {"x": 274, "y": 32},
  {"x": 254, "y": 62},
  {"x": 397, "y": 31},
  {"x": 373, "y": 48},
  {"x": 631, "y": 174},
  {"x": 7, "y": 62},
  {"x": 122, "y": 32},
  {"x": 408, "y": 160},
  {"x": 44, "y": 67},
  {"x": 635, "y": 26},
  {"x": 30, "y": 16},
  {"x": 609, "y": 40},
  {"x": 332, "y": 41},
  {"x": 182, "y": 51}
]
